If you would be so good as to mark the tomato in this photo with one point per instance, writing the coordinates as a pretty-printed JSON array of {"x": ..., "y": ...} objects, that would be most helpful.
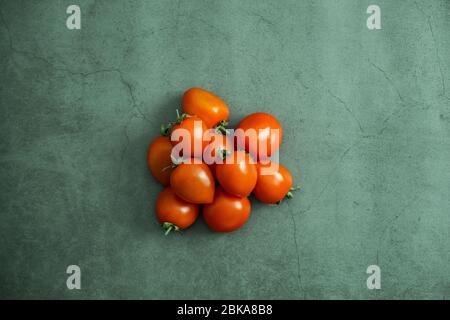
[
  {"x": 272, "y": 188},
  {"x": 238, "y": 174},
  {"x": 196, "y": 129},
  {"x": 159, "y": 161},
  {"x": 264, "y": 124},
  {"x": 174, "y": 213},
  {"x": 227, "y": 212},
  {"x": 205, "y": 105},
  {"x": 193, "y": 182}
]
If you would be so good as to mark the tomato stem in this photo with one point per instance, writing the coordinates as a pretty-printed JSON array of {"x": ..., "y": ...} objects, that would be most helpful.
[
  {"x": 168, "y": 227},
  {"x": 222, "y": 127},
  {"x": 290, "y": 193},
  {"x": 166, "y": 128}
]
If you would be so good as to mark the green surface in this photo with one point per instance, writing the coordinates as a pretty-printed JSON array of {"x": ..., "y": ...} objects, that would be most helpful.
[{"x": 366, "y": 116}]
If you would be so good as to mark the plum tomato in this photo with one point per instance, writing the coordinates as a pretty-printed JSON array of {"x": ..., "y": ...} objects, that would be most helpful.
[
  {"x": 238, "y": 174},
  {"x": 159, "y": 161},
  {"x": 205, "y": 105},
  {"x": 226, "y": 213},
  {"x": 173, "y": 212},
  {"x": 193, "y": 182},
  {"x": 275, "y": 185},
  {"x": 269, "y": 132},
  {"x": 195, "y": 128}
]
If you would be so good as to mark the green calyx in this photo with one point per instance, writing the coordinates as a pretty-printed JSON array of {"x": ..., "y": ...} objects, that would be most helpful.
[
  {"x": 290, "y": 194},
  {"x": 222, "y": 127},
  {"x": 223, "y": 153},
  {"x": 167, "y": 128},
  {"x": 168, "y": 227}
]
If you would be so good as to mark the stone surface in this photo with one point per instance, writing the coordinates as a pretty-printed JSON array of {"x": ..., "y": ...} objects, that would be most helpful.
[{"x": 367, "y": 134}]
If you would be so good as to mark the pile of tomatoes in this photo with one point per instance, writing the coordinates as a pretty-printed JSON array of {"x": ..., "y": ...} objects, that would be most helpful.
[{"x": 220, "y": 189}]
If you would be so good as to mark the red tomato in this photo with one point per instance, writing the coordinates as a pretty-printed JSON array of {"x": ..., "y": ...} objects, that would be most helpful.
[
  {"x": 193, "y": 182},
  {"x": 159, "y": 161},
  {"x": 207, "y": 106},
  {"x": 227, "y": 212},
  {"x": 174, "y": 213},
  {"x": 195, "y": 127},
  {"x": 272, "y": 188},
  {"x": 264, "y": 124},
  {"x": 237, "y": 175}
]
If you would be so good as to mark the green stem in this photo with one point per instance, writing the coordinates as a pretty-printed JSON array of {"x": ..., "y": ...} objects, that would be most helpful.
[
  {"x": 166, "y": 128},
  {"x": 290, "y": 193},
  {"x": 168, "y": 227},
  {"x": 222, "y": 127},
  {"x": 168, "y": 231}
]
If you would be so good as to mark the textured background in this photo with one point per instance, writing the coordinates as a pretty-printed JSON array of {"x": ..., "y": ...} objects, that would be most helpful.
[{"x": 367, "y": 134}]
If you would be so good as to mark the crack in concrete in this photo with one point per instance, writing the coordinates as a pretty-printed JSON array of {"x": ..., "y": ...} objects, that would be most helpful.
[
  {"x": 436, "y": 48},
  {"x": 388, "y": 79},
  {"x": 345, "y": 105},
  {"x": 391, "y": 222},
  {"x": 341, "y": 158},
  {"x": 122, "y": 158},
  {"x": 122, "y": 78},
  {"x": 310, "y": 206},
  {"x": 299, "y": 276},
  {"x": 127, "y": 84},
  {"x": 397, "y": 91},
  {"x": 337, "y": 98}
]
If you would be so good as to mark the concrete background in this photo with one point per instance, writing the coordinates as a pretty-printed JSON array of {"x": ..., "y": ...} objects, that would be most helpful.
[{"x": 366, "y": 116}]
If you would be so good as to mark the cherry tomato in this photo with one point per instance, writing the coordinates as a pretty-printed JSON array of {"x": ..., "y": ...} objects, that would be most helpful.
[
  {"x": 227, "y": 212},
  {"x": 264, "y": 124},
  {"x": 159, "y": 161},
  {"x": 175, "y": 213},
  {"x": 207, "y": 106},
  {"x": 237, "y": 175},
  {"x": 274, "y": 186},
  {"x": 195, "y": 127},
  {"x": 193, "y": 182}
]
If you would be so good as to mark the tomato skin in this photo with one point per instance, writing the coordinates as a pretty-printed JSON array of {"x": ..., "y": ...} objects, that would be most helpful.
[
  {"x": 239, "y": 176},
  {"x": 172, "y": 209},
  {"x": 205, "y": 105},
  {"x": 263, "y": 123},
  {"x": 196, "y": 135},
  {"x": 227, "y": 213},
  {"x": 193, "y": 182},
  {"x": 212, "y": 168},
  {"x": 274, "y": 187},
  {"x": 159, "y": 161}
]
